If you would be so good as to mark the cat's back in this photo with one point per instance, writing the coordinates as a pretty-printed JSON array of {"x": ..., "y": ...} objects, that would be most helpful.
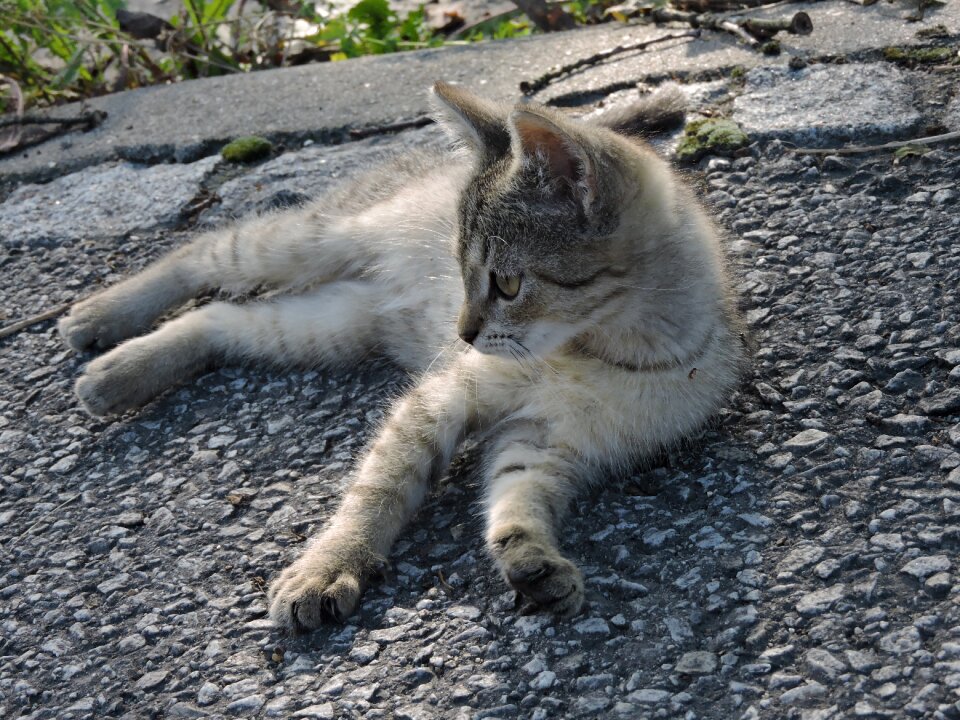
[
  {"x": 400, "y": 213},
  {"x": 409, "y": 173}
]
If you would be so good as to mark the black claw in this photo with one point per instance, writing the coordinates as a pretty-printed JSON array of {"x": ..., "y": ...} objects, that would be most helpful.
[
  {"x": 381, "y": 570},
  {"x": 527, "y": 576},
  {"x": 297, "y": 627},
  {"x": 555, "y": 602},
  {"x": 329, "y": 609}
]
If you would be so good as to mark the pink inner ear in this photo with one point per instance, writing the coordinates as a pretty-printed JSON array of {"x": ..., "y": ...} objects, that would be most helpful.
[{"x": 539, "y": 139}]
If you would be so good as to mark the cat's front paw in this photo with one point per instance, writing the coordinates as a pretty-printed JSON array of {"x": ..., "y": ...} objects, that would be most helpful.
[
  {"x": 118, "y": 381},
  {"x": 320, "y": 587},
  {"x": 540, "y": 574},
  {"x": 95, "y": 324}
]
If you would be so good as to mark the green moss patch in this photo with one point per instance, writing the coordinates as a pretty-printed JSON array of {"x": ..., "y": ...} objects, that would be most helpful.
[
  {"x": 771, "y": 47},
  {"x": 710, "y": 136},
  {"x": 246, "y": 149},
  {"x": 918, "y": 56}
]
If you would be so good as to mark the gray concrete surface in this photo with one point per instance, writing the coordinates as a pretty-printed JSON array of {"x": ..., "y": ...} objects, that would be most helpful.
[
  {"x": 192, "y": 119},
  {"x": 142, "y": 197},
  {"x": 797, "y": 560},
  {"x": 828, "y": 105}
]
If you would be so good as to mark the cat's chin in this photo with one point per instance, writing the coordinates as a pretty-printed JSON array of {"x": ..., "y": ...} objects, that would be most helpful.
[
  {"x": 500, "y": 351},
  {"x": 515, "y": 352}
]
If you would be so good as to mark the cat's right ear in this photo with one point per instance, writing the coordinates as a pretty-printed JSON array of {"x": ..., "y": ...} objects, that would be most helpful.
[{"x": 479, "y": 124}]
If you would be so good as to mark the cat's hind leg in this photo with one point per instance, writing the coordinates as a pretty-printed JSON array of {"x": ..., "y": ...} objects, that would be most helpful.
[
  {"x": 334, "y": 324},
  {"x": 273, "y": 250},
  {"x": 529, "y": 486}
]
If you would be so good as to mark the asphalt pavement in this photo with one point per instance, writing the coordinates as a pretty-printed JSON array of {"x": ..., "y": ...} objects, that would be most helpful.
[{"x": 798, "y": 559}]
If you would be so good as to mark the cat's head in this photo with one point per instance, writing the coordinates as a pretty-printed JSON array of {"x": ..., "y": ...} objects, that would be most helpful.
[{"x": 537, "y": 239}]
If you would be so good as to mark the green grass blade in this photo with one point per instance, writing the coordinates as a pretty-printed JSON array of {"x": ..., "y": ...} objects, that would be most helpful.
[
  {"x": 69, "y": 73},
  {"x": 217, "y": 10}
]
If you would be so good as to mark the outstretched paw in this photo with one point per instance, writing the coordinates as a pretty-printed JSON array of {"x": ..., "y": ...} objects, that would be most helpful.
[
  {"x": 77, "y": 331},
  {"x": 540, "y": 574},
  {"x": 318, "y": 588},
  {"x": 98, "y": 324},
  {"x": 123, "y": 379}
]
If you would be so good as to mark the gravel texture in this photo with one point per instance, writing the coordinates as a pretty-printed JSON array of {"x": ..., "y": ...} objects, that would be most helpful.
[
  {"x": 798, "y": 560},
  {"x": 952, "y": 115}
]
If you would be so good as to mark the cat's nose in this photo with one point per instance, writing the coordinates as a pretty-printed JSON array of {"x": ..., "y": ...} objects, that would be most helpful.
[{"x": 468, "y": 335}]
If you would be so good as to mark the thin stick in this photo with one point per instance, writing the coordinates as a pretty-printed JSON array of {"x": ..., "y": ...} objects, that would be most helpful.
[
  {"x": 534, "y": 86},
  {"x": 93, "y": 118},
  {"x": 34, "y": 320},
  {"x": 763, "y": 28},
  {"x": 854, "y": 149},
  {"x": 365, "y": 132},
  {"x": 42, "y": 518},
  {"x": 734, "y": 29},
  {"x": 752, "y": 31}
]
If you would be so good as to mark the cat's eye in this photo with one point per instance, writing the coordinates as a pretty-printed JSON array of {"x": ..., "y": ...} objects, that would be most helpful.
[{"x": 507, "y": 286}]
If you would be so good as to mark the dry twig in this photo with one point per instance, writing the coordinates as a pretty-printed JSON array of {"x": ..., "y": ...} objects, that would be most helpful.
[
  {"x": 90, "y": 119},
  {"x": 530, "y": 87},
  {"x": 854, "y": 149},
  {"x": 765, "y": 28},
  {"x": 34, "y": 320},
  {"x": 24, "y": 139},
  {"x": 46, "y": 516},
  {"x": 752, "y": 31},
  {"x": 365, "y": 132}
]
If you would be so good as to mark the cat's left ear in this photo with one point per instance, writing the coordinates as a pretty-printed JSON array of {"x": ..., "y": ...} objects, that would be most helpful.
[
  {"x": 478, "y": 123},
  {"x": 535, "y": 138}
]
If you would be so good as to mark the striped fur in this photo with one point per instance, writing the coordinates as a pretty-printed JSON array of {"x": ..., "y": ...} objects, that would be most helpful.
[{"x": 621, "y": 338}]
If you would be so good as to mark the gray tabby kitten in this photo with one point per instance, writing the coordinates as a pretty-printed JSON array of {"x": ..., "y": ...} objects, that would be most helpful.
[{"x": 586, "y": 284}]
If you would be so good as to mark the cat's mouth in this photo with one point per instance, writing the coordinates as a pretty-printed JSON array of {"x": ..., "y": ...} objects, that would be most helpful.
[{"x": 502, "y": 345}]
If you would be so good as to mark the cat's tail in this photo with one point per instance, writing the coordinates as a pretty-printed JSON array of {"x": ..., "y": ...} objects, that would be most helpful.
[{"x": 664, "y": 109}]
